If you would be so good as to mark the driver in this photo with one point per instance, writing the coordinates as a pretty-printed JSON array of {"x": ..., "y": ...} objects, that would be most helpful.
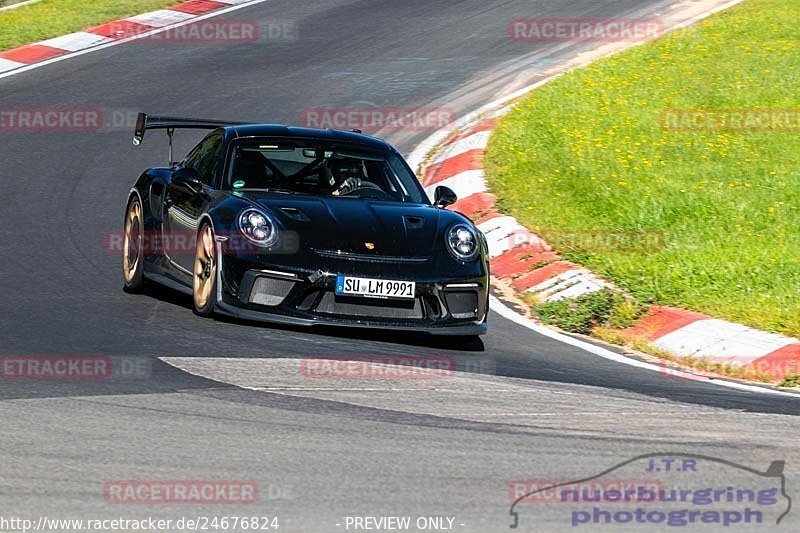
[{"x": 348, "y": 175}]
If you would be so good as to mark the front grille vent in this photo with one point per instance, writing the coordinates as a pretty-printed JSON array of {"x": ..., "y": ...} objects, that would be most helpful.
[
  {"x": 378, "y": 308},
  {"x": 462, "y": 304},
  {"x": 270, "y": 291}
]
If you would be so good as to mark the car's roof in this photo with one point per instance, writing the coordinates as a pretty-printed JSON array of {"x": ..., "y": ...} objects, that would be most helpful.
[{"x": 279, "y": 130}]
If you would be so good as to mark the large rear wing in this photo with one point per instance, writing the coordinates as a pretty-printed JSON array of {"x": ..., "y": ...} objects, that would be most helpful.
[{"x": 146, "y": 122}]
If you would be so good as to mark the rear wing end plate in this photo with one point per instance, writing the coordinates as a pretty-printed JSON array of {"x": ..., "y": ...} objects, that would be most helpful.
[{"x": 146, "y": 122}]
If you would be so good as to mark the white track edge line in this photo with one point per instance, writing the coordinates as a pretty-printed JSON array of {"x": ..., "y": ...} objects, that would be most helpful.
[{"x": 19, "y": 4}]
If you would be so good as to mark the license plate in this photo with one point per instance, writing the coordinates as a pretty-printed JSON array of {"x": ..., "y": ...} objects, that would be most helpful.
[{"x": 374, "y": 288}]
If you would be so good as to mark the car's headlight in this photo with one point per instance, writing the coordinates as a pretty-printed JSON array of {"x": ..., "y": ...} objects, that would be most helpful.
[
  {"x": 462, "y": 242},
  {"x": 258, "y": 227}
]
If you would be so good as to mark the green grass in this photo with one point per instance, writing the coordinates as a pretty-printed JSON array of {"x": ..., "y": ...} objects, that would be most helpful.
[
  {"x": 791, "y": 380},
  {"x": 51, "y": 18},
  {"x": 587, "y": 151},
  {"x": 601, "y": 309}
]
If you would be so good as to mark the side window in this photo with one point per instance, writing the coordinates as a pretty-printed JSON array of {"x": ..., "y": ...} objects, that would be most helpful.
[{"x": 206, "y": 157}]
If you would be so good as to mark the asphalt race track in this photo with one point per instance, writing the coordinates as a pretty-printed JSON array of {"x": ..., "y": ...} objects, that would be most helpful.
[{"x": 225, "y": 399}]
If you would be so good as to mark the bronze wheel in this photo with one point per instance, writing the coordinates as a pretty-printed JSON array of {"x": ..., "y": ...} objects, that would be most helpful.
[
  {"x": 205, "y": 272},
  {"x": 132, "y": 269}
]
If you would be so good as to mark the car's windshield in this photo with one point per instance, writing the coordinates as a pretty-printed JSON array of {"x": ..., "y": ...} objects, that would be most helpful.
[{"x": 320, "y": 168}]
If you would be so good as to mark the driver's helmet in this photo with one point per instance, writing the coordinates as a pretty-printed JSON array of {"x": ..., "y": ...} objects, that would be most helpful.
[{"x": 346, "y": 169}]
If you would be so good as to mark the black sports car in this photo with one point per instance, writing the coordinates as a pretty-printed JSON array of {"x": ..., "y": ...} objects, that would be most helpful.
[{"x": 304, "y": 226}]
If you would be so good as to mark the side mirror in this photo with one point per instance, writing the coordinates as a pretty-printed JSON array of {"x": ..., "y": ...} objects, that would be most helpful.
[
  {"x": 444, "y": 196},
  {"x": 188, "y": 177}
]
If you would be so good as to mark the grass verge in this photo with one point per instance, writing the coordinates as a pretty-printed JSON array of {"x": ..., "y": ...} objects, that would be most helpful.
[
  {"x": 601, "y": 309},
  {"x": 588, "y": 152},
  {"x": 51, "y": 18},
  {"x": 791, "y": 380}
]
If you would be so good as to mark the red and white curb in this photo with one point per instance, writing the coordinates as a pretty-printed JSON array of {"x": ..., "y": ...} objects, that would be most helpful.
[
  {"x": 534, "y": 267},
  {"x": 689, "y": 334},
  {"x": 529, "y": 265},
  {"x": 131, "y": 28},
  {"x": 454, "y": 157}
]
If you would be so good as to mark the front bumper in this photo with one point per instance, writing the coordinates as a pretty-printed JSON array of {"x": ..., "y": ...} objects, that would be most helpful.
[
  {"x": 442, "y": 305},
  {"x": 273, "y": 318}
]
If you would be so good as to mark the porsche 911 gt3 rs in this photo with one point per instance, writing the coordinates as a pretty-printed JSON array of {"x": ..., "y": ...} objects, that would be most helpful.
[{"x": 303, "y": 226}]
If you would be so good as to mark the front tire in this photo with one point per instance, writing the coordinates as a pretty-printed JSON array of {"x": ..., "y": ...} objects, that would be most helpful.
[
  {"x": 204, "y": 279},
  {"x": 132, "y": 260}
]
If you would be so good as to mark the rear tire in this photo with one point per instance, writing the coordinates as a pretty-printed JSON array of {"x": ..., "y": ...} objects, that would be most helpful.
[
  {"x": 204, "y": 276},
  {"x": 132, "y": 256}
]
